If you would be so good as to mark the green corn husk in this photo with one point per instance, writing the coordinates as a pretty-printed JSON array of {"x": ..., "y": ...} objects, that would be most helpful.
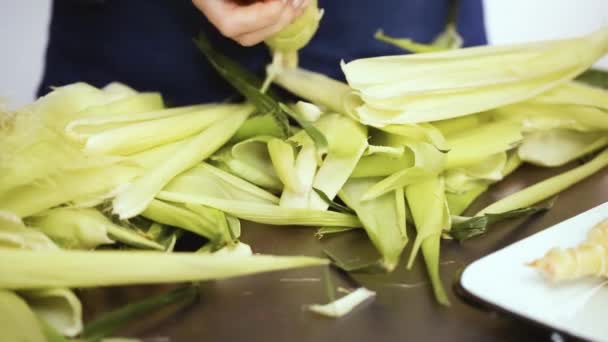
[
  {"x": 342, "y": 306},
  {"x": 459, "y": 201},
  {"x": 446, "y": 40},
  {"x": 392, "y": 161},
  {"x": 297, "y": 34},
  {"x": 547, "y": 188},
  {"x": 14, "y": 234},
  {"x": 81, "y": 129},
  {"x": 136, "y": 196},
  {"x": 266, "y": 213},
  {"x": 250, "y": 160},
  {"x": 342, "y": 157},
  {"x": 39, "y": 269},
  {"x": 488, "y": 171},
  {"x": 59, "y": 307},
  {"x": 205, "y": 179},
  {"x": 383, "y": 218},
  {"x": 164, "y": 235},
  {"x": 558, "y": 147},
  {"x": 185, "y": 218},
  {"x": 486, "y": 140},
  {"x": 428, "y": 162},
  {"x": 285, "y": 44},
  {"x": 283, "y": 160},
  {"x": 85, "y": 228},
  {"x": 87, "y": 185},
  {"x": 431, "y": 216},
  {"x": 17, "y": 321},
  {"x": 140, "y": 136},
  {"x": 112, "y": 321},
  {"x": 259, "y": 125},
  {"x": 441, "y": 85},
  {"x": 572, "y": 106},
  {"x": 461, "y": 125}
]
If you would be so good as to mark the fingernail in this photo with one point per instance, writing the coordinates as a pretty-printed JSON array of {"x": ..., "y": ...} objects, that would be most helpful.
[{"x": 296, "y": 3}]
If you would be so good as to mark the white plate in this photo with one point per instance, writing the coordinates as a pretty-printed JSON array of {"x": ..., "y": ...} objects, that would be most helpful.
[{"x": 502, "y": 279}]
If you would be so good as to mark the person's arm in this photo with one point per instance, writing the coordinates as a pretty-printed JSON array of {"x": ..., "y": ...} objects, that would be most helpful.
[{"x": 253, "y": 23}]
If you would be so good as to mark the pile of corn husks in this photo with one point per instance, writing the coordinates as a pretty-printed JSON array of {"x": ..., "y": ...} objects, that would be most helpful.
[{"x": 90, "y": 177}]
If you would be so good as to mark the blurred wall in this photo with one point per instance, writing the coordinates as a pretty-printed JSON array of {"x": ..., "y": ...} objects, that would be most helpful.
[{"x": 23, "y": 25}]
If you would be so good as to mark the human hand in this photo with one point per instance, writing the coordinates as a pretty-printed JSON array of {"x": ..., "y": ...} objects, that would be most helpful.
[{"x": 251, "y": 23}]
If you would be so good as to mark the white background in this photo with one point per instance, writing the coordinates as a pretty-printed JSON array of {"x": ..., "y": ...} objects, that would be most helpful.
[{"x": 23, "y": 26}]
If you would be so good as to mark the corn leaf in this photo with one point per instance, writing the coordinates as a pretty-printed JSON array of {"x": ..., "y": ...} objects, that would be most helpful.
[
  {"x": 425, "y": 132},
  {"x": 431, "y": 216},
  {"x": 210, "y": 181},
  {"x": 595, "y": 77},
  {"x": 131, "y": 108},
  {"x": 558, "y": 147},
  {"x": 17, "y": 320},
  {"x": 383, "y": 218},
  {"x": 14, "y": 234},
  {"x": 487, "y": 171},
  {"x": 464, "y": 228},
  {"x": 315, "y": 135},
  {"x": 483, "y": 142},
  {"x": 111, "y": 322},
  {"x": 342, "y": 306},
  {"x": 244, "y": 82},
  {"x": 86, "y": 228},
  {"x": 391, "y": 163},
  {"x": 298, "y": 33},
  {"x": 266, "y": 213},
  {"x": 38, "y": 269},
  {"x": 333, "y": 205},
  {"x": 198, "y": 222},
  {"x": 249, "y": 160},
  {"x": 315, "y": 88},
  {"x": 137, "y": 195},
  {"x": 260, "y": 125},
  {"x": 140, "y": 136},
  {"x": 95, "y": 184},
  {"x": 342, "y": 157},
  {"x": 73, "y": 228},
  {"x": 458, "y": 202},
  {"x": 442, "y": 85},
  {"x": 547, "y": 188},
  {"x": 59, "y": 307},
  {"x": 428, "y": 161},
  {"x": 446, "y": 40}
]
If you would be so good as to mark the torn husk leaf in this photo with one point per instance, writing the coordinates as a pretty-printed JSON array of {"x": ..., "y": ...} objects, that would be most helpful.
[
  {"x": 558, "y": 147},
  {"x": 383, "y": 218},
  {"x": 14, "y": 234},
  {"x": 17, "y": 320},
  {"x": 431, "y": 216},
  {"x": 59, "y": 307},
  {"x": 344, "y": 305},
  {"x": 39, "y": 269},
  {"x": 137, "y": 195},
  {"x": 548, "y": 187},
  {"x": 266, "y": 213},
  {"x": 441, "y": 85},
  {"x": 446, "y": 40},
  {"x": 111, "y": 322}
]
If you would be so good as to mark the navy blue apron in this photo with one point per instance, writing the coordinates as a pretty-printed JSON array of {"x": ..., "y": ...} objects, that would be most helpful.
[{"x": 147, "y": 44}]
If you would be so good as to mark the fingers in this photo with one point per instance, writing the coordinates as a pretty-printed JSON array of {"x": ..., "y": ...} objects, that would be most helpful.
[
  {"x": 253, "y": 23},
  {"x": 286, "y": 17}
]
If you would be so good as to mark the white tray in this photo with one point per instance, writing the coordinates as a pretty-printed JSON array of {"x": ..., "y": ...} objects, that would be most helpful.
[{"x": 503, "y": 280}]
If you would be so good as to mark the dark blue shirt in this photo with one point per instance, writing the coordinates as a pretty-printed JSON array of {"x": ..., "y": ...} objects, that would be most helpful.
[{"x": 147, "y": 44}]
